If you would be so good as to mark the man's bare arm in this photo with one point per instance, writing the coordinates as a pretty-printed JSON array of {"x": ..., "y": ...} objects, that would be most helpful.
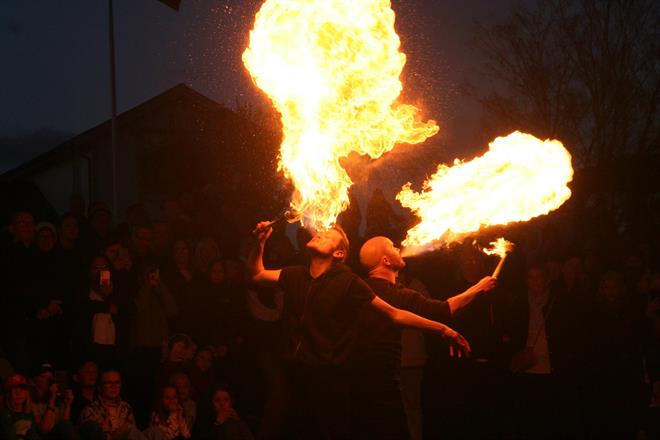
[
  {"x": 255, "y": 261},
  {"x": 460, "y": 301},
  {"x": 409, "y": 319}
]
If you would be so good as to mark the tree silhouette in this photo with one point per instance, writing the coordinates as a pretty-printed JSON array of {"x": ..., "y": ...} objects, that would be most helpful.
[{"x": 584, "y": 71}]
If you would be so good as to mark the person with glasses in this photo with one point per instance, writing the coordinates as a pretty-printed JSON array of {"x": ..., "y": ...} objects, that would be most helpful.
[{"x": 109, "y": 417}]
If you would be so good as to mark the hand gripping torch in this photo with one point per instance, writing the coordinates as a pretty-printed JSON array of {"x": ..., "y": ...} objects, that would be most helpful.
[{"x": 289, "y": 216}]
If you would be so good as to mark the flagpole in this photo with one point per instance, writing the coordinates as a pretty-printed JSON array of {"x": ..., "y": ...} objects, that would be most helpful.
[{"x": 113, "y": 104}]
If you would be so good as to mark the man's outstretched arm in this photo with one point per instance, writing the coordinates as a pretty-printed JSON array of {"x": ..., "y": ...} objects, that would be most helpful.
[
  {"x": 409, "y": 319},
  {"x": 255, "y": 261},
  {"x": 462, "y": 300}
]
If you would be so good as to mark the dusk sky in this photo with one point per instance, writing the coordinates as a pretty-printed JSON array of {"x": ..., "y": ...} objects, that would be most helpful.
[{"x": 55, "y": 74}]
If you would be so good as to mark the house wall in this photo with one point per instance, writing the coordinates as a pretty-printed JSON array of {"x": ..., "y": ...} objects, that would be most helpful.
[
  {"x": 60, "y": 181},
  {"x": 101, "y": 155}
]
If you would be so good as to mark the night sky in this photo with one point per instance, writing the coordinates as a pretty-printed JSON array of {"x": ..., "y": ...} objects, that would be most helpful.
[{"x": 55, "y": 75}]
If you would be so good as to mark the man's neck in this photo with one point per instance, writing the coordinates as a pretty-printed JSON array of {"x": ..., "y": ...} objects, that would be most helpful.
[
  {"x": 87, "y": 392},
  {"x": 109, "y": 402},
  {"x": 319, "y": 265},
  {"x": 66, "y": 244},
  {"x": 538, "y": 295},
  {"x": 24, "y": 243},
  {"x": 383, "y": 273}
]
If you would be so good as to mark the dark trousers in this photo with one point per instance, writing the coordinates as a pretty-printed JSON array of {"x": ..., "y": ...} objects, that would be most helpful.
[
  {"x": 377, "y": 408},
  {"x": 318, "y": 402}
]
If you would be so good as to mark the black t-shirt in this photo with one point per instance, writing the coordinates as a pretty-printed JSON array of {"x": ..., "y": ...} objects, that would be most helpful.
[
  {"x": 378, "y": 346},
  {"x": 320, "y": 315}
]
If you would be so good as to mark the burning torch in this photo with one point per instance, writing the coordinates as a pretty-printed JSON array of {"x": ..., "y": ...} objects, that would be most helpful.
[
  {"x": 288, "y": 216},
  {"x": 501, "y": 248}
]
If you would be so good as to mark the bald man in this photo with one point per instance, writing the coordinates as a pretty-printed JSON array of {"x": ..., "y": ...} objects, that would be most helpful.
[
  {"x": 322, "y": 302},
  {"x": 376, "y": 361}
]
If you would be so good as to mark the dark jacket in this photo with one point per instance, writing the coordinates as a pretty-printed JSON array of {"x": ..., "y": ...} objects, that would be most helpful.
[
  {"x": 378, "y": 343},
  {"x": 320, "y": 315},
  {"x": 562, "y": 328}
]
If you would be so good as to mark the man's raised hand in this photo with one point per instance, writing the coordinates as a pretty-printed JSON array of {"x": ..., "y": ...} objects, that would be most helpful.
[
  {"x": 486, "y": 284},
  {"x": 262, "y": 231}
]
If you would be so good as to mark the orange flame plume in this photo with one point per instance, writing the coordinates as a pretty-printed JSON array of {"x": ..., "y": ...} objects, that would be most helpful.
[
  {"x": 499, "y": 247},
  {"x": 331, "y": 68},
  {"x": 520, "y": 177}
]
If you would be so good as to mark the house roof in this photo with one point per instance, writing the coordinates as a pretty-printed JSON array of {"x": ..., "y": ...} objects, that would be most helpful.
[{"x": 79, "y": 144}]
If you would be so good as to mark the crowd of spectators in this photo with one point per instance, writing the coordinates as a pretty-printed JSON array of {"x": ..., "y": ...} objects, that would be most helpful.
[{"x": 149, "y": 329}]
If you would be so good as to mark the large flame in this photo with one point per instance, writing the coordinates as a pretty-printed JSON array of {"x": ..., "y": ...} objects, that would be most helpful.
[
  {"x": 331, "y": 68},
  {"x": 520, "y": 177}
]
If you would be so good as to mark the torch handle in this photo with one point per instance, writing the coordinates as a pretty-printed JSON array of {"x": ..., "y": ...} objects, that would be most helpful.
[
  {"x": 498, "y": 269},
  {"x": 270, "y": 224},
  {"x": 288, "y": 216}
]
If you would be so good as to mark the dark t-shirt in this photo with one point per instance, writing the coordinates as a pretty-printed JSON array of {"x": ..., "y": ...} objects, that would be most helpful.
[
  {"x": 320, "y": 315},
  {"x": 378, "y": 345}
]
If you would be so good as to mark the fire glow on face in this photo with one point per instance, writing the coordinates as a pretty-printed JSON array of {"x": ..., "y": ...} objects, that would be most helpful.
[
  {"x": 520, "y": 177},
  {"x": 331, "y": 68}
]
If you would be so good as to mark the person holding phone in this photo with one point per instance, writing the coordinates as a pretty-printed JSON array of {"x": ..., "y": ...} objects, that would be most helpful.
[
  {"x": 52, "y": 400},
  {"x": 98, "y": 314},
  {"x": 154, "y": 307}
]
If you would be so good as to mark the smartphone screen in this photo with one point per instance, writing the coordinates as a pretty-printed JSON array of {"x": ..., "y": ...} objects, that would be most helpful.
[{"x": 105, "y": 277}]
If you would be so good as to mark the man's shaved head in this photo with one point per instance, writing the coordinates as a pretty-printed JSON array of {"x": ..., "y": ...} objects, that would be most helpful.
[{"x": 373, "y": 251}]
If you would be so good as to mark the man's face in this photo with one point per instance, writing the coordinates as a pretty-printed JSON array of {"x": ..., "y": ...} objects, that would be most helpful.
[
  {"x": 178, "y": 352},
  {"x": 325, "y": 243},
  {"x": 536, "y": 280},
  {"x": 181, "y": 252},
  {"x": 470, "y": 266},
  {"x": 88, "y": 374},
  {"x": 110, "y": 385},
  {"x": 18, "y": 395},
  {"x": 221, "y": 401},
  {"x": 46, "y": 240},
  {"x": 170, "y": 399},
  {"x": 70, "y": 229},
  {"x": 42, "y": 381},
  {"x": 142, "y": 240},
  {"x": 182, "y": 384},
  {"x": 112, "y": 251},
  {"x": 207, "y": 252},
  {"x": 23, "y": 227},
  {"x": 204, "y": 360},
  {"x": 217, "y": 273},
  {"x": 393, "y": 255},
  {"x": 611, "y": 290},
  {"x": 100, "y": 222}
]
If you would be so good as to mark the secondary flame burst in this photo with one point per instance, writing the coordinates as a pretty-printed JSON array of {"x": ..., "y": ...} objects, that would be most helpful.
[
  {"x": 518, "y": 178},
  {"x": 501, "y": 248},
  {"x": 331, "y": 68}
]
